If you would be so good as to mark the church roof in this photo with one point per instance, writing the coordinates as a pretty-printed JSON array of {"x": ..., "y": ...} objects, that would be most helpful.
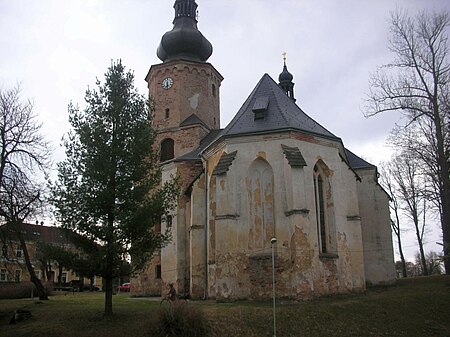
[
  {"x": 278, "y": 113},
  {"x": 356, "y": 162}
]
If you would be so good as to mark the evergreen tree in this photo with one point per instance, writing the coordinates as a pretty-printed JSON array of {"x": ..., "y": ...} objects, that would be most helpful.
[{"x": 109, "y": 186}]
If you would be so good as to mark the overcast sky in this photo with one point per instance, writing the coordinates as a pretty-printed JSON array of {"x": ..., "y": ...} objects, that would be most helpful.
[{"x": 54, "y": 49}]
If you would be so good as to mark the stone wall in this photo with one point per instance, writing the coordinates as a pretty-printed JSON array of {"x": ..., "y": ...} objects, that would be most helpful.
[{"x": 238, "y": 268}]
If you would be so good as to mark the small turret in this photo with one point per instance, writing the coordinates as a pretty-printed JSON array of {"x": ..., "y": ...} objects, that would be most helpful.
[{"x": 285, "y": 80}]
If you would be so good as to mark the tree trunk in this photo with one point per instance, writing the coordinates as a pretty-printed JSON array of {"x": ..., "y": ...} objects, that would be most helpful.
[
  {"x": 108, "y": 296},
  {"x": 42, "y": 292},
  {"x": 444, "y": 171},
  {"x": 423, "y": 261},
  {"x": 402, "y": 257},
  {"x": 60, "y": 269}
]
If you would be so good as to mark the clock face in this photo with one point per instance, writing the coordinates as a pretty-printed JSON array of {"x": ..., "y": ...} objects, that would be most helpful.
[{"x": 167, "y": 83}]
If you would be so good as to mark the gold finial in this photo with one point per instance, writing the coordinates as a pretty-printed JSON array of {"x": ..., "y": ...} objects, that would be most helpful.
[{"x": 284, "y": 57}]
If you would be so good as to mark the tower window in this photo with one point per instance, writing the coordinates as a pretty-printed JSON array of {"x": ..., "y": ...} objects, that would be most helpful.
[
  {"x": 213, "y": 90},
  {"x": 158, "y": 271},
  {"x": 167, "y": 113},
  {"x": 167, "y": 149}
]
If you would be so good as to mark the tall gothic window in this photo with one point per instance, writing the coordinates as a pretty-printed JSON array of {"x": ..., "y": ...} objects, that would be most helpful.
[
  {"x": 260, "y": 193},
  {"x": 320, "y": 209},
  {"x": 325, "y": 217},
  {"x": 167, "y": 149}
]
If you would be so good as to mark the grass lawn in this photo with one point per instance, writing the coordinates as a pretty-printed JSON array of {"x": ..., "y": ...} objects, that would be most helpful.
[{"x": 414, "y": 307}]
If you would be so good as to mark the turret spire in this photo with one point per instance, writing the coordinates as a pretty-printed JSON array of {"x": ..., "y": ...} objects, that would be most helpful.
[
  {"x": 184, "y": 41},
  {"x": 285, "y": 80}
]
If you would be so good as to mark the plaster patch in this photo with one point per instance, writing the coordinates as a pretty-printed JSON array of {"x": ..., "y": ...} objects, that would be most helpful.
[{"x": 193, "y": 101}]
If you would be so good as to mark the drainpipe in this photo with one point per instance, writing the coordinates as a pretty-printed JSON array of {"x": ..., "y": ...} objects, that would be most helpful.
[{"x": 205, "y": 295}]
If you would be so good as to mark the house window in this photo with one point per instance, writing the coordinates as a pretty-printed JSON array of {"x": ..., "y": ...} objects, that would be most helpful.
[
  {"x": 3, "y": 275},
  {"x": 19, "y": 252},
  {"x": 158, "y": 271},
  {"x": 5, "y": 250},
  {"x": 18, "y": 275},
  {"x": 167, "y": 149},
  {"x": 64, "y": 277},
  {"x": 167, "y": 113},
  {"x": 38, "y": 274}
]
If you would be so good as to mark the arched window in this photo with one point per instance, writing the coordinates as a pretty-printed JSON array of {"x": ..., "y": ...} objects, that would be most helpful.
[
  {"x": 167, "y": 149},
  {"x": 320, "y": 209},
  {"x": 323, "y": 196},
  {"x": 261, "y": 204}
]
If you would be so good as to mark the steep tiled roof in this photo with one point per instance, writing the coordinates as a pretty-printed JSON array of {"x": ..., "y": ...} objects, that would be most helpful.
[
  {"x": 55, "y": 235},
  {"x": 281, "y": 113}
]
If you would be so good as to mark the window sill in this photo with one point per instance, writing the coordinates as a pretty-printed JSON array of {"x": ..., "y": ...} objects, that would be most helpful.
[{"x": 328, "y": 256}]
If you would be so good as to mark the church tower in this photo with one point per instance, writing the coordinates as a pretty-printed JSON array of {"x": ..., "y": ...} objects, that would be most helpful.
[
  {"x": 185, "y": 88},
  {"x": 185, "y": 93}
]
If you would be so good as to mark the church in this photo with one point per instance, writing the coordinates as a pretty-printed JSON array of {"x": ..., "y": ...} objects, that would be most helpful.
[{"x": 272, "y": 181}]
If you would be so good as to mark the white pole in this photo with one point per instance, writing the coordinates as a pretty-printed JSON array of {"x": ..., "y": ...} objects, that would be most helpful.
[{"x": 273, "y": 241}]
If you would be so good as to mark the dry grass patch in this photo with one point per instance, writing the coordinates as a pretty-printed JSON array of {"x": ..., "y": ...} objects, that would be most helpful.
[{"x": 414, "y": 307}]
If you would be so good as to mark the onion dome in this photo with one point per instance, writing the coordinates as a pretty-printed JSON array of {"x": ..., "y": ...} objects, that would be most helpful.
[
  {"x": 184, "y": 41},
  {"x": 285, "y": 79}
]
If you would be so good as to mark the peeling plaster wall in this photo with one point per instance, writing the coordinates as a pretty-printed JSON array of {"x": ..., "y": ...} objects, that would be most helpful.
[
  {"x": 239, "y": 270},
  {"x": 376, "y": 230},
  {"x": 197, "y": 227}
]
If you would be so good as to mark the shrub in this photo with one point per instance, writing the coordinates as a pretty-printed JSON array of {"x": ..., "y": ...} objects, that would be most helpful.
[{"x": 180, "y": 319}]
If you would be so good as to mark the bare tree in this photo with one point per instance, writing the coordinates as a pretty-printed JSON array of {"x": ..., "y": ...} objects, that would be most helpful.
[
  {"x": 24, "y": 155},
  {"x": 433, "y": 262},
  {"x": 405, "y": 172},
  {"x": 417, "y": 83},
  {"x": 388, "y": 184}
]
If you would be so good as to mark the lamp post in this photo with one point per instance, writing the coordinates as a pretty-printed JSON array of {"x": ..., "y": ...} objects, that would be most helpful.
[{"x": 272, "y": 242}]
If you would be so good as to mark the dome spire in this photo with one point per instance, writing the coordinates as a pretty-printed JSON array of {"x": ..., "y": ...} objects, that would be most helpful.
[
  {"x": 285, "y": 80},
  {"x": 184, "y": 41}
]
